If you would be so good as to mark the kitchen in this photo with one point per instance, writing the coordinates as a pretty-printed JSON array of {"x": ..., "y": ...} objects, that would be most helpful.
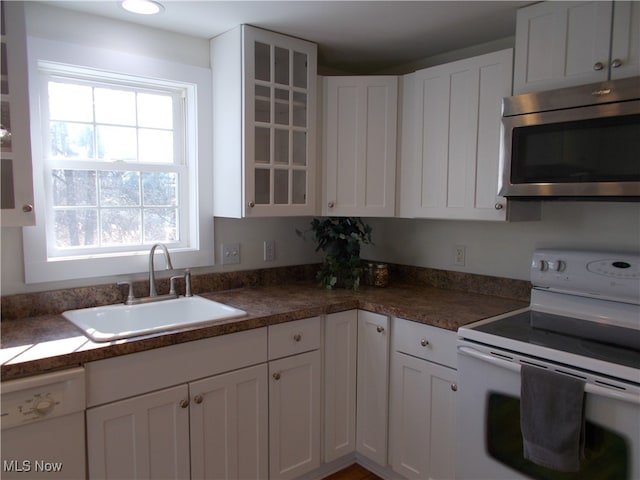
[{"x": 497, "y": 249}]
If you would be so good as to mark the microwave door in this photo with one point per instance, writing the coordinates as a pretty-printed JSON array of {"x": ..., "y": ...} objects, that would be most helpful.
[{"x": 580, "y": 152}]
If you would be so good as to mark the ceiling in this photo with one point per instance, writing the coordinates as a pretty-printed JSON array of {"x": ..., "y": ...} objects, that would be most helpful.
[{"x": 352, "y": 36}]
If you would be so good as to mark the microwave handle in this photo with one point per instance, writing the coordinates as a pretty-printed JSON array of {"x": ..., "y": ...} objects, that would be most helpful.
[{"x": 515, "y": 367}]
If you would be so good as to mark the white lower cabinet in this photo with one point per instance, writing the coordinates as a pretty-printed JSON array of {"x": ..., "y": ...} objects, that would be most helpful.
[
  {"x": 142, "y": 437},
  {"x": 340, "y": 370},
  {"x": 229, "y": 425},
  {"x": 422, "y": 417},
  {"x": 373, "y": 386},
  {"x": 211, "y": 428},
  {"x": 294, "y": 415}
]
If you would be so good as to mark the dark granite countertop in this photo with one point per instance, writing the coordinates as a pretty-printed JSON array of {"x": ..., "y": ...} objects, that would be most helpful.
[{"x": 44, "y": 343}]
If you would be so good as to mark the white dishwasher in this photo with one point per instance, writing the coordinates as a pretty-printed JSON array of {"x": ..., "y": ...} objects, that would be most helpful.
[{"x": 43, "y": 433}]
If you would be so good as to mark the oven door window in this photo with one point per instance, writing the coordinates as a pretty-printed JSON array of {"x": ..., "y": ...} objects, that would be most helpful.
[
  {"x": 607, "y": 455},
  {"x": 593, "y": 150}
]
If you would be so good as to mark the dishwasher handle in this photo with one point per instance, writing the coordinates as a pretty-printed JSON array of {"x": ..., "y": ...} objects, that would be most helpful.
[{"x": 589, "y": 387}]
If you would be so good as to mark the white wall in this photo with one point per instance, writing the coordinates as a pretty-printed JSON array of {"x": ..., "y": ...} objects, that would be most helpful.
[{"x": 504, "y": 249}]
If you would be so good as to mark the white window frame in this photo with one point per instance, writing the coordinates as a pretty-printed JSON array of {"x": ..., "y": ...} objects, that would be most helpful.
[{"x": 39, "y": 265}]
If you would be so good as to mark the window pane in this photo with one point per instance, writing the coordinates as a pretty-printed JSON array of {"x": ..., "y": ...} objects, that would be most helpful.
[
  {"x": 71, "y": 140},
  {"x": 263, "y": 104},
  {"x": 262, "y": 145},
  {"x": 281, "y": 146},
  {"x": 119, "y": 189},
  {"x": 299, "y": 70},
  {"x": 160, "y": 189},
  {"x": 155, "y": 111},
  {"x": 76, "y": 228},
  {"x": 115, "y": 106},
  {"x": 73, "y": 188},
  {"x": 160, "y": 225},
  {"x": 262, "y": 186},
  {"x": 299, "y": 148},
  {"x": 299, "y": 109},
  {"x": 121, "y": 226},
  {"x": 281, "y": 187},
  {"x": 299, "y": 187},
  {"x": 70, "y": 102},
  {"x": 262, "y": 61},
  {"x": 117, "y": 143},
  {"x": 156, "y": 146},
  {"x": 282, "y": 106},
  {"x": 281, "y": 65}
]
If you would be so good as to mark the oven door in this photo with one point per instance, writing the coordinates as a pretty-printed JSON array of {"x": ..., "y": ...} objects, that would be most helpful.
[{"x": 489, "y": 440}]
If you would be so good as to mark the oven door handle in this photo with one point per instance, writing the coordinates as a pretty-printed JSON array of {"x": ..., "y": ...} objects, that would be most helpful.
[{"x": 515, "y": 367}]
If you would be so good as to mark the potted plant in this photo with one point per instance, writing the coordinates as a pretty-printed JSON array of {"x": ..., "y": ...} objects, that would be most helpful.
[{"x": 340, "y": 239}]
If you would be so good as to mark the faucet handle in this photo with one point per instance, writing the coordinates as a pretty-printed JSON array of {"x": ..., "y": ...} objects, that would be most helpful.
[
  {"x": 187, "y": 283},
  {"x": 130, "y": 297},
  {"x": 172, "y": 285}
]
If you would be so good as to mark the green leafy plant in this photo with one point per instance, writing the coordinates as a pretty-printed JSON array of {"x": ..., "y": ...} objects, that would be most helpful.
[{"x": 340, "y": 238}]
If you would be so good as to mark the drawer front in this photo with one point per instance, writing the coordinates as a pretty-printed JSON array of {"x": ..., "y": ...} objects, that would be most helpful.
[
  {"x": 294, "y": 337},
  {"x": 424, "y": 341}
]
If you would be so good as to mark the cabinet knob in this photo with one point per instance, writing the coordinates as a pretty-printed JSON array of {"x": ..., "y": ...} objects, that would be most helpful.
[
  {"x": 198, "y": 399},
  {"x": 276, "y": 376},
  {"x": 598, "y": 66},
  {"x": 331, "y": 205},
  {"x": 498, "y": 206},
  {"x": 184, "y": 403},
  {"x": 424, "y": 342},
  {"x": 616, "y": 63},
  {"x": 27, "y": 208},
  {"x": 379, "y": 329},
  {"x": 252, "y": 204},
  {"x": 297, "y": 337},
  {"x": 454, "y": 387}
]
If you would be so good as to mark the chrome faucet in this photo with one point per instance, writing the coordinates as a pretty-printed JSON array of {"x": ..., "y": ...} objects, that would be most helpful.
[
  {"x": 153, "y": 293},
  {"x": 152, "y": 274}
]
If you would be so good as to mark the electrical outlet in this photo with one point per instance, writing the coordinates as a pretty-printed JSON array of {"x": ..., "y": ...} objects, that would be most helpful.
[
  {"x": 459, "y": 255},
  {"x": 230, "y": 253},
  {"x": 269, "y": 250}
]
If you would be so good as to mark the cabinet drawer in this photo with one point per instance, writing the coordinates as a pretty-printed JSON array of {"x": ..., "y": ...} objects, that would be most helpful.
[
  {"x": 294, "y": 337},
  {"x": 424, "y": 341}
]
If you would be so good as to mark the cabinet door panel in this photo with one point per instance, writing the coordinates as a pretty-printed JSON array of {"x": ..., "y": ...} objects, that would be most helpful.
[
  {"x": 341, "y": 343},
  {"x": 450, "y": 156},
  {"x": 142, "y": 437},
  {"x": 373, "y": 383},
  {"x": 625, "y": 40},
  {"x": 229, "y": 421},
  {"x": 294, "y": 415},
  {"x": 559, "y": 43},
  {"x": 360, "y": 121},
  {"x": 422, "y": 441}
]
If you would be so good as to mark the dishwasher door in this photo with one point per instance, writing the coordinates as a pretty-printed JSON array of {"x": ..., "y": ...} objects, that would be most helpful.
[{"x": 43, "y": 427}]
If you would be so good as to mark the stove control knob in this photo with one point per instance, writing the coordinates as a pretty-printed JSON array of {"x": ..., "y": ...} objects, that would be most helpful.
[
  {"x": 557, "y": 265},
  {"x": 543, "y": 265}
]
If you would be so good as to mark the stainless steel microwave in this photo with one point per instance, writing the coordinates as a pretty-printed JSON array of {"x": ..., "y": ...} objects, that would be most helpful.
[{"x": 577, "y": 142}]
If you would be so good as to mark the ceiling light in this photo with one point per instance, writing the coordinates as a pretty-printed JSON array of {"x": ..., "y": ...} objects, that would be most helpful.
[{"x": 142, "y": 7}]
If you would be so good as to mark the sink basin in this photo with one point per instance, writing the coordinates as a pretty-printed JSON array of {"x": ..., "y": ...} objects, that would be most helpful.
[{"x": 113, "y": 322}]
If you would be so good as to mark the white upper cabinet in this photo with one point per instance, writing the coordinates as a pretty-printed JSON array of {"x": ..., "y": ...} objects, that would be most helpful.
[
  {"x": 359, "y": 145},
  {"x": 16, "y": 175},
  {"x": 450, "y": 144},
  {"x": 264, "y": 124},
  {"x": 560, "y": 44}
]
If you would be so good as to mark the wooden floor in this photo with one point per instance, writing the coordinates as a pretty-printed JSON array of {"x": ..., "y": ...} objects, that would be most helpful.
[{"x": 354, "y": 472}]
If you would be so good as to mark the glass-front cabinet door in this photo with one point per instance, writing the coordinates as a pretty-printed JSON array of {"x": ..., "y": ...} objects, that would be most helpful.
[{"x": 279, "y": 127}]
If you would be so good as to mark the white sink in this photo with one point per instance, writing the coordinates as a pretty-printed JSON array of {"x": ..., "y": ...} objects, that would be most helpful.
[{"x": 113, "y": 322}]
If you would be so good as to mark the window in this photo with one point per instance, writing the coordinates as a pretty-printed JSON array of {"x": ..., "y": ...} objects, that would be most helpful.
[
  {"x": 115, "y": 171},
  {"x": 122, "y": 154}
]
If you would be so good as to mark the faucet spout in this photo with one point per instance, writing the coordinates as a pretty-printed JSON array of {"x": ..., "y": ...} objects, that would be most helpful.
[{"x": 152, "y": 275}]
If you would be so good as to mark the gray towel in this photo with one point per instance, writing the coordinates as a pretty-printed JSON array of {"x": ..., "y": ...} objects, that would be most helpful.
[{"x": 552, "y": 418}]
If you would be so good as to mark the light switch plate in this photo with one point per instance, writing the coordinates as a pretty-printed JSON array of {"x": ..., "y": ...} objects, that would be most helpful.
[{"x": 230, "y": 253}]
